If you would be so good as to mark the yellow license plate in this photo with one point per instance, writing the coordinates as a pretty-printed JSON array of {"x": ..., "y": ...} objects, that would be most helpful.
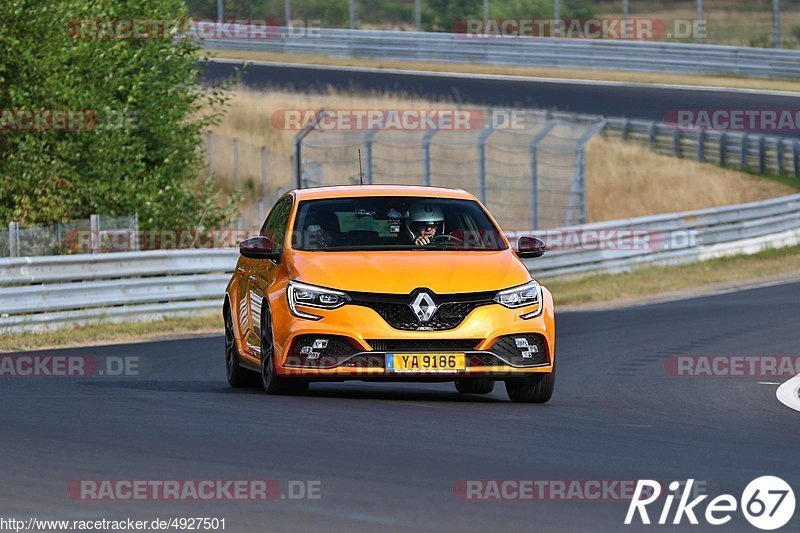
[{"x": 425, "y": 362}]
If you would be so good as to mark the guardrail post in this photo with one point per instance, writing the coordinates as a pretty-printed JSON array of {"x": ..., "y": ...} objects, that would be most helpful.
[
  {"x": 701, "y": 146},
  {"x": 94, "y": 228},
  {"x": 676, "y": 142},
  {"x": 482, "y": 138},
  {"x": 762, "y": 154},
  {"x": 743, "y": 152},
  {"x": 796, "y": 158},
  {"x": 534, "y": 157},
  {"x": 13, "y": 239},
  {"x": 626, "y": 124},
  {"x": 779, "y": 154},
  {"x": 651, "y": 134},
  {"x": 723, "y": 148},
  {"x": 426, "y": 156}
]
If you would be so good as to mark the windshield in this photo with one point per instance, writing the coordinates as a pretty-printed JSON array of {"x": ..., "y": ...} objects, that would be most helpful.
[{"x": 394, "y": 223}]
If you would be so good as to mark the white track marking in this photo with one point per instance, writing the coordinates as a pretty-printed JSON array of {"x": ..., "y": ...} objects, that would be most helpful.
[{"x": 788, "y": 393}]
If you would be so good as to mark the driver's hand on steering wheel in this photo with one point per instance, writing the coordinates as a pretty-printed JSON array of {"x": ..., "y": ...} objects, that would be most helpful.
[{"x": 422, "y": 240}]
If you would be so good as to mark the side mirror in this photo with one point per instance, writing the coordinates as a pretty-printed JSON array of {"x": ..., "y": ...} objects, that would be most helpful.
[
  {"x": 529, "y": 247},
  {"x": 257, "y": 248}
]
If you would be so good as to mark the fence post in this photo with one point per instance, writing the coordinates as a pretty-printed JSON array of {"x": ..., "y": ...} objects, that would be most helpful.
[
  {"x": 135, "y": 228},
  {"x": 262, "y": 204},
  {"x": 482, "y": 139},
  {"x": 701, "y": 146},
  {"x": 210, "y": 155},
  {"x": 743, "y": 151},
  {"x": 723, "y": 148},
  {"x": 237, "y": 176},
  {"x": 534, "y": 161},
  {"x": 13, "y": 239},
  {"x": 426, "y": 156},
  {"x": 297, "y": 156},
  {"x": 368, "y": 138},
  {"x": 762, "y": 154},
  {"x": 94, "y": 229}
]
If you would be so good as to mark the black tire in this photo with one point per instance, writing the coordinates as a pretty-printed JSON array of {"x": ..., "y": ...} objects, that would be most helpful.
[
  {"x": 273, "y": 383},
  {"x": 537, "y": 389},
  {"x": 238, "y": 377},
  {"x": 474, "y": 386}
]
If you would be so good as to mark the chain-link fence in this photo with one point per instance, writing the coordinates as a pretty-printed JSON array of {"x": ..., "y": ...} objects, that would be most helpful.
[
  {"x": 530, "y": 177},
  {"x": 94, "y": 235},
  {"x": 262, "y": 175}
]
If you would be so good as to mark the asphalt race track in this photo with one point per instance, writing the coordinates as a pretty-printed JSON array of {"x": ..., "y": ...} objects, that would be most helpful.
[
  {"x": 387, "y": 456},
  {"x": 614, "y": 100}
]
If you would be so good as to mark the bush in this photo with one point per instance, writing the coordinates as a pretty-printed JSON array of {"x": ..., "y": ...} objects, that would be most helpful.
[{"x": 142, "y": 154}]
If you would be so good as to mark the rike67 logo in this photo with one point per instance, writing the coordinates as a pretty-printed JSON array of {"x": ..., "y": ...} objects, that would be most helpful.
[{"x": 767, "y": 503}]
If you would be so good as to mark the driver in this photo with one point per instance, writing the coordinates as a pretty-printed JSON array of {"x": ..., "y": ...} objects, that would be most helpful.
[{"x": 424, "y": 222}]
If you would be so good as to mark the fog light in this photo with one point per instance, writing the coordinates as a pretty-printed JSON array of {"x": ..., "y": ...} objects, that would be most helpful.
[
  {"x": 305, "y": 350},
  {"x": 521, "y": 342},
  {"x": 320, "y": 344}
]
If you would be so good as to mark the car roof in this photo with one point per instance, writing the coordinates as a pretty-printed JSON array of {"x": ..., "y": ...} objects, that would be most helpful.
[{"x": 350, "y": 191}]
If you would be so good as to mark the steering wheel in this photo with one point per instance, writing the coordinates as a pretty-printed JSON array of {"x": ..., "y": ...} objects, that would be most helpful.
[{"x": 446, "y": 239}]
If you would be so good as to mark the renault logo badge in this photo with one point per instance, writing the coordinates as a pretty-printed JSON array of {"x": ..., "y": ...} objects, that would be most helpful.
[{"x": 423, "y": 307}]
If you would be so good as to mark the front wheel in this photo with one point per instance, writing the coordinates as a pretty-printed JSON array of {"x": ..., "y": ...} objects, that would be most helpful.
[
  {"x": 238, "y": 377},
  {"x": 537, "y": 389},
  {"x": 272, "y": 382}
]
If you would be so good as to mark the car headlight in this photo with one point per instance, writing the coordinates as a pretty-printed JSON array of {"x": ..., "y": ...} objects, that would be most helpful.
[
  {"x": 308, "y": 295},
  {"x": 526, "y": 295}
]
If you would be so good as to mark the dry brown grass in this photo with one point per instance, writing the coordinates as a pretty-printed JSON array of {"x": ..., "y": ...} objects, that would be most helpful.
[
  {"x": 730, "y": 22},
  {"x": 623, "y": 179}
]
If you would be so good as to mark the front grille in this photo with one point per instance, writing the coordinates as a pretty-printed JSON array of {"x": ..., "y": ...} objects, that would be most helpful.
[
  {"x": 331, "y": 361},
  {"x": 395, "y": 309},
  {"x": 423, "y": 345},
  {"x": 506, "y": 347}
]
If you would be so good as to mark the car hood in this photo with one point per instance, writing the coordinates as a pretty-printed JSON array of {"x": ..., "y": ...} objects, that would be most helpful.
[{"x": 400, "y": 272}]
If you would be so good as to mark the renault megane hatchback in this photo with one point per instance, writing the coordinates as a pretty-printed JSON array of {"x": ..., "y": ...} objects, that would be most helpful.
[{"x": 388, "y": 283}]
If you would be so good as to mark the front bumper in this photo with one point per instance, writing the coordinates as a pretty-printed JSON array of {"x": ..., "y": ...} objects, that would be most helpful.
[{"x": 483, "y": 337}]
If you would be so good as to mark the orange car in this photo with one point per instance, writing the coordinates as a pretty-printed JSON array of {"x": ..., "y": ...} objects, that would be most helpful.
[{"x": 388, "y": 283}]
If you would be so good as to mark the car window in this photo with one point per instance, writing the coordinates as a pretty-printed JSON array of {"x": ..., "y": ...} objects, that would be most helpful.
[
  {"x": 277, "y": 222},
  {"x": 393, "y": 223}
]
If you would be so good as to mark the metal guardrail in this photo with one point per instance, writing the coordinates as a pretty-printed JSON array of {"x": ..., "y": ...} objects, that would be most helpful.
[
  {"x": 641, "y": 56},
  {"x": 747, "y": 151},
  {"x": 51, "y": 292}
]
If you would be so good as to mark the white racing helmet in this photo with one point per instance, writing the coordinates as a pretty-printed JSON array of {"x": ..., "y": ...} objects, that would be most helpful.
[{"x": 427, "y": 213}]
